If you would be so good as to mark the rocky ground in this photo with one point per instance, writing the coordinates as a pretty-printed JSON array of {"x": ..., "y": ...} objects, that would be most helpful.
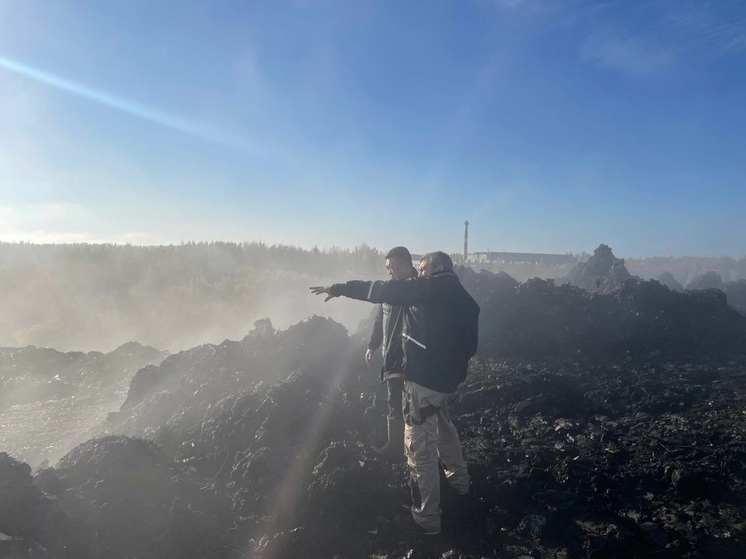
[{"x": 606, "y": 425}]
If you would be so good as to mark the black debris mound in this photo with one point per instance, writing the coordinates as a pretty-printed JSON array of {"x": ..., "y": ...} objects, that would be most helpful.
[
  {"x": 484, "y": 284},
  {"x": 31, "y": 374},
  {"x": 129, "y": 499},
  {"x": 602, "y": 273},
  {"x": 607, "y": 460},
  {"x": 176, "y": 394},
  {"x": 640, "y": 319},
  {"x": 50, "y": 401},
  {"x": 668, "y": 279},
  {"x": 708, "y": 280},
  {"x": 33, "y": 525},
  {"x": 735, "y": 291}
]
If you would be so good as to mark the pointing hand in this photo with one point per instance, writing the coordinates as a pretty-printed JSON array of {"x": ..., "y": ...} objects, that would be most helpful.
[{"x": 320, "y": 289}]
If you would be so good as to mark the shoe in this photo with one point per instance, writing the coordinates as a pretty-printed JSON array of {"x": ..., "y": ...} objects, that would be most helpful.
[
  {"x": 390, "y": 452},
  {"x": 405, "y": 523},
  {"x": 394, "y": 448}
]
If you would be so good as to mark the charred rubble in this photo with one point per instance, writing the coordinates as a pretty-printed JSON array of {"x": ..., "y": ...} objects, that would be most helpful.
[
  {"x": 735, "y": 291},
  {"x": 594, "y": 424},
  {"x": 668, "y": 279},
  {"x": 708, "y": 280},
  {"x": 49, "y": 400},
  {"x": 602, "y": 273},
  {"x": 31, "y": 374}
]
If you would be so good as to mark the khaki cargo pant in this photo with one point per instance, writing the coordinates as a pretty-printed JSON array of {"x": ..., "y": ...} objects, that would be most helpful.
[{"x": 430, "y": 435}]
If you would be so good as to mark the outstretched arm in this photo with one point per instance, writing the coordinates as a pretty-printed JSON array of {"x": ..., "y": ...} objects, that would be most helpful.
[
  {"x": 321, "y": 290},
  {"x": 396, "y": 292}
]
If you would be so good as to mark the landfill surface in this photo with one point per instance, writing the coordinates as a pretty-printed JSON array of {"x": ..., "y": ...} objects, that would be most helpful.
[
  {"x": 50, "y": 401},
  {"x": 595, "y": 425}
]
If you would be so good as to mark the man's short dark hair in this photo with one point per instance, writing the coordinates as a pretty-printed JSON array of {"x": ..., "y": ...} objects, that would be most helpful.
[
  {"x": 400, "y": 254},
  {"x": 440, "y": 260}
]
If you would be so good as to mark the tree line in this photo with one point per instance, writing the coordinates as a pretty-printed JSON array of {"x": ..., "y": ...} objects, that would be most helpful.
[{"x": 85, "y": 296}]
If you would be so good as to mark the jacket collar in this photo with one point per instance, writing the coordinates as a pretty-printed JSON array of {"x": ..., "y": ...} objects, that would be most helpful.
[{"x": 442, "y": 273}]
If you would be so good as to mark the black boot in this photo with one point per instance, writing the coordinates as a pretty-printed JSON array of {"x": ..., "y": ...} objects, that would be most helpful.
[{"x": 394, "y": 447}]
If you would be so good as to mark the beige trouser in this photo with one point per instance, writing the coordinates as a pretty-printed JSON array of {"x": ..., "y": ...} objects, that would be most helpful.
[{"x": 428, "y": 436}]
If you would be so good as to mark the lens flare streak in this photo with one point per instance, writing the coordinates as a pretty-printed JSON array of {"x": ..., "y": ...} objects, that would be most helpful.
[{"x": 131, "y": 108}]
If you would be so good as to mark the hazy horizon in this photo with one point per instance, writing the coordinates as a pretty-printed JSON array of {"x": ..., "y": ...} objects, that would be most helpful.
[{"x": 86, "y": 297}]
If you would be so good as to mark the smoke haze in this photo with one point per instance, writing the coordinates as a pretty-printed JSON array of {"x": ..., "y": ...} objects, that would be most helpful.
[{"x": 97, "y": 297}]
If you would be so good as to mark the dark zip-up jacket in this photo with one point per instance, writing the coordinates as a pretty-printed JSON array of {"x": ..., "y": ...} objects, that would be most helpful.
[
  {"x": 441, "y": 330},
  {"x": 387, "y": 333}
]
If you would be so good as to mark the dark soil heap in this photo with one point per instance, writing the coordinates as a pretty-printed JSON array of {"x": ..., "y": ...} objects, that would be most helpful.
[
  {"x": 594, "y": 425},
  {"x": 667, "y": 279},
  {"x": 735, "y": 291},
  {"x": 709, "y": 280},
  {"x": 603, "y": 273},
  {"x": 50, "y": 400}
]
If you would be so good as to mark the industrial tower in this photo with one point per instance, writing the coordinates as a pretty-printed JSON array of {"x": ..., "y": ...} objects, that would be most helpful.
[{"x": 466, "y": 239}]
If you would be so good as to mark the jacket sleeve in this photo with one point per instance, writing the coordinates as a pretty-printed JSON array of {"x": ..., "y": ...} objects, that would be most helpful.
[
  {"x": 470, "y": 327},
  {"x": 395, "y": 292},
  {"x": 376, "y": 336}
]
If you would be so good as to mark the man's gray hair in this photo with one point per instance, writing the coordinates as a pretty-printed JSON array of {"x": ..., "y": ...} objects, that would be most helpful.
[{"x": 439, "y": 259}]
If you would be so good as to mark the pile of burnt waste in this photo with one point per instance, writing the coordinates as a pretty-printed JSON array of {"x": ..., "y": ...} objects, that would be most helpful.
[
  {"x": 31, "y": 374},
  {"x": 668, "y": 279},
  {"x": 640, "y": 320},
  {"x": 164, "y": 400},
  {"x": 109, "y": 497},
  {"x": 630, "y": 443},
  {"x": 602, "y": 273},
  {"x": 567, "y": 459},
  {"x": 50, "y": 400},
  {"x": 735, "y": 291},
  {"x": 708, "y": 280}
]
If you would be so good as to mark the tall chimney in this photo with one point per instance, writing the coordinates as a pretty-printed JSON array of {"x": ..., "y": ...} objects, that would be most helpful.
[{"x": 466, "y": 239}]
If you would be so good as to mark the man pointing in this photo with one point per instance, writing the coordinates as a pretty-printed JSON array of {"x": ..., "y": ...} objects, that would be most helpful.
[
  {"x": 440, "y": 335},
  {"x": 387, "y": 334}
]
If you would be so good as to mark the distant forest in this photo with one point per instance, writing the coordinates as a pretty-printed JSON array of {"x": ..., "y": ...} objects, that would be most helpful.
[{"x": 97, "y": 297}]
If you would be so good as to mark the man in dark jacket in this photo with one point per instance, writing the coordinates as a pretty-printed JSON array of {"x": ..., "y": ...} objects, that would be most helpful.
[
  {"x": 387, "y": 334},
  {"x": 440, "y": 336}
]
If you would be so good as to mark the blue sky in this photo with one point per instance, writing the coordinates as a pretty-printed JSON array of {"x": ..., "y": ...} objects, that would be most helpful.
[{"x": 551, "y": 125}]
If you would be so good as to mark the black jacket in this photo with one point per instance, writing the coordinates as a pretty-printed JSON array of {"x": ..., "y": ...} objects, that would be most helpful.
[
  {"x": 387, "y": 332},
  {"x": 441, "y": 330}
]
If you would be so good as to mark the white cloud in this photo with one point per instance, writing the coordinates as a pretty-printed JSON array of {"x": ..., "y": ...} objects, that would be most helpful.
[
  {"x": 41, "y": 222},
  {"x": 671, "y": 31},
  {"x": 632, "y": 55},
  {"x": 718, "y": 28},
  {"x": 61, "y": 223},
  {"x": 547, "y": 13},
  {"x": 521, "y": 7}
]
